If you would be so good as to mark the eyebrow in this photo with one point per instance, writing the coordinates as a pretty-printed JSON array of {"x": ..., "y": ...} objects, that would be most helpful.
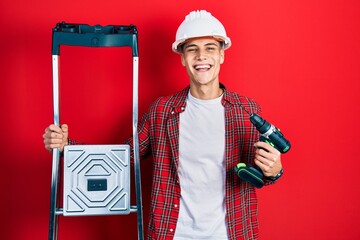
[{"x": 194, "y": 45}]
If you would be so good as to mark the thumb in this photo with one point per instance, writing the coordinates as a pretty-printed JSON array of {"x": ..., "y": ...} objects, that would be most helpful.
[{"x": 64, "y": 128}]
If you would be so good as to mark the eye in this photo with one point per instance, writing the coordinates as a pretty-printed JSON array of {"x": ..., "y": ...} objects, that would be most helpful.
[
  {"x": 210, "y": 48},
  {"x": 191, "y": 49}
]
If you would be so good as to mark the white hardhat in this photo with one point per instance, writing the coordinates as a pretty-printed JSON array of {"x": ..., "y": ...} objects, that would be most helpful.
[{"x": 200, "y": 24}]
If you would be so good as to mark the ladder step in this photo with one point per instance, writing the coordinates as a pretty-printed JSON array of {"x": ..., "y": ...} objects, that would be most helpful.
[
  {"x": 59, "y": 211},
  {"x": 134, "y": 209}
]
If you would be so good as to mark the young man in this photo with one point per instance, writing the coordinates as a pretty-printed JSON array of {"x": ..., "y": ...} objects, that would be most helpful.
[{"x": 196, "y": 137}]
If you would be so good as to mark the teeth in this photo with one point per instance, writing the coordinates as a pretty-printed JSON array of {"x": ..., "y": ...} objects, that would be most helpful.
[{"x": 202, "y": 67}]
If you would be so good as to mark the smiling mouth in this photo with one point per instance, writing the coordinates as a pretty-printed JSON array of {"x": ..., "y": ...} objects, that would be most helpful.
[{"x": 202, "y": 67}]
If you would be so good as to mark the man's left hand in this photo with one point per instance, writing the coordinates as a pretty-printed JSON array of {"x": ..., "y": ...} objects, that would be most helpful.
[{"x": 268, "y": 159}]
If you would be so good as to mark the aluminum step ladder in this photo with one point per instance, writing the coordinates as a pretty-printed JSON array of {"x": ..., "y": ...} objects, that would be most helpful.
[{"x": 96, "y": 36}]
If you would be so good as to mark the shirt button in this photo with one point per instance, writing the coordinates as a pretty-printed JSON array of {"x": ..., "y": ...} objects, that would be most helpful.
[
  {"x": 182, "y": 108},
  {"x": 175, "y": 205},
  {"x": 171, "y": 230},
  {"x": 172, "y": 112}
]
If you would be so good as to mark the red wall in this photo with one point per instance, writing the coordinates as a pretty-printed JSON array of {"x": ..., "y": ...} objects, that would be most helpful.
[{"x": 298, "y": 59}]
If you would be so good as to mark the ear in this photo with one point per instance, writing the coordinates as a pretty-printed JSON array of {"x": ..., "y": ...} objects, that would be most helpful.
[
  {"x": 182, "y": 60},
  {"x": 222, "y": 56}
]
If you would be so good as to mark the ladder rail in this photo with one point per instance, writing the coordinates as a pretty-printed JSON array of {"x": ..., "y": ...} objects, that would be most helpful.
[
  {"x": 53, "y": 224},
  {"x": 136, "y": 150}
]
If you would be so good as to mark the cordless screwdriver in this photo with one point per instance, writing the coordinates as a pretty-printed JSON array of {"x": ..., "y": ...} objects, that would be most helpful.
[{"x": 269, "y": 134}]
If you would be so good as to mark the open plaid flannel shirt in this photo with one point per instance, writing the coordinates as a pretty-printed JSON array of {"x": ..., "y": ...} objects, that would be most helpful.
[{"x": 159, "y": 135}]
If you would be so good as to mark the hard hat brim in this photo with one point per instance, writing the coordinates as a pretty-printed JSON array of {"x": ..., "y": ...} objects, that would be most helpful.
[{"x": 176, "y": 46}]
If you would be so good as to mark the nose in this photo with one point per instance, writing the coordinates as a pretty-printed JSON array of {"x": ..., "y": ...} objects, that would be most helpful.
[{"x": 201, "y": 54}]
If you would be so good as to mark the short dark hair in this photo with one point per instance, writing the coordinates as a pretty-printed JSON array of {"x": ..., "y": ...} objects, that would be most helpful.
[{"x": 180, "y": 47}]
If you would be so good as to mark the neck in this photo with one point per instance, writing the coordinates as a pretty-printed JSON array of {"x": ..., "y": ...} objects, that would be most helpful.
[{"x": 205, "y": 92}]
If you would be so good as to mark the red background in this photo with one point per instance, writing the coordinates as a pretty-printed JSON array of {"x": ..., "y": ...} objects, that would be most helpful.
[{"x": 298, "y": 59}]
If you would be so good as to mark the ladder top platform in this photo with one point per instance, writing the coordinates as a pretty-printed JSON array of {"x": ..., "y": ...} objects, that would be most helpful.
[{"x": 73, "y": 34}]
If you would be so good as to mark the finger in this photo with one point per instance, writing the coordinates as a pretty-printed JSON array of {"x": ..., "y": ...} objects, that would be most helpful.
[
  {"x": 267, "y": 151},
  {"x": 65, "y": 128},
  {"x": 53, "y": 141},
  {"x": 271, "y": 170},
  {"x": 266, "y": 146},
  {"x": 262, "y": 160},
  {"x": 53, "y": 128},
  {"x": 264, "y": 168},
  {"x": 269, "y": 162},
  {"x": 51, "y": 146},
  {"x": 48, "y": 141},
  {"x": 47, "y": 135},
  {"x": 50, "y": 137},
  {"x": 55, "y": 135},
  {"x": 273, "y": 157},
  {"x": 54, "y": 145}
]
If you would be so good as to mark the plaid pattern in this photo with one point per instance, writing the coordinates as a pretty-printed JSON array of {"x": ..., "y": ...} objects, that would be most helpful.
[{"x": 159, "y": 135}]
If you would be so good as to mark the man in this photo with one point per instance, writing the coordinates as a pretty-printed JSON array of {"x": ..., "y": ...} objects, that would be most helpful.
[{"x": 196, "y": 137}]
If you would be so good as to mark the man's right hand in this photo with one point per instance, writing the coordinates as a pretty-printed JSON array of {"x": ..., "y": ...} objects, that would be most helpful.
[{"x": 56, "y": 137}]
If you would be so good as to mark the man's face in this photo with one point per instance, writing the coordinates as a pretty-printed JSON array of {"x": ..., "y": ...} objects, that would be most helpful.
[{"x": 202, "y": 58}]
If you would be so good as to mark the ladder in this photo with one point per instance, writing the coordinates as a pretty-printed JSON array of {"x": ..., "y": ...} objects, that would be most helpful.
[{"x": 94, "y": 36}]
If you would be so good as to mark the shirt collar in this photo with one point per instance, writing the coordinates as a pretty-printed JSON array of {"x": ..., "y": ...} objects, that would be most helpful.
[{"x": 179, "y": 99}]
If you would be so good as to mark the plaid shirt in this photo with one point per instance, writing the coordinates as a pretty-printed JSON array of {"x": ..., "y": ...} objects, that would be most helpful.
[{"x": 159, "y": 135}]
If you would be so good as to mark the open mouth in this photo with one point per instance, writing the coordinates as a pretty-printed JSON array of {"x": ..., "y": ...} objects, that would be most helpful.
[{"x": 202, "y": 67}]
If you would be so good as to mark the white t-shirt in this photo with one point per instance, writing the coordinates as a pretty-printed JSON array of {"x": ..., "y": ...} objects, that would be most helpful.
[{"x": 202, "y": 171}]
